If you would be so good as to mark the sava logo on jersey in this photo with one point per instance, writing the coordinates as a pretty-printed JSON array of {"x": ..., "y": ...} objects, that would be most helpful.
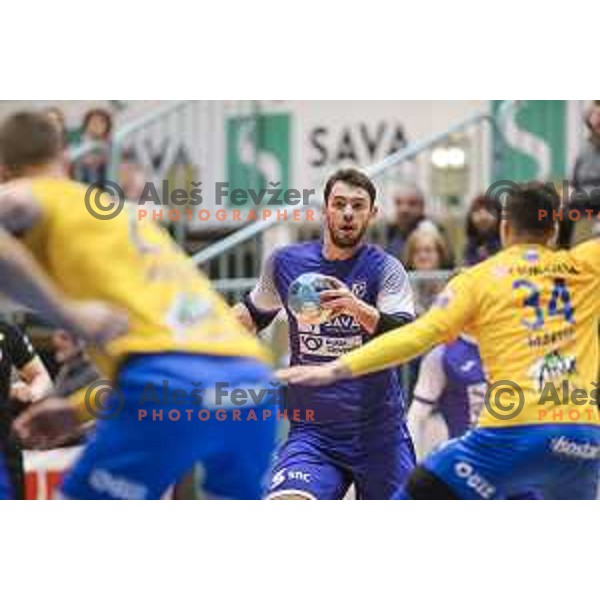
[
  {"x": 330, "y": 339},
  {"x": 342, "y": 324}
]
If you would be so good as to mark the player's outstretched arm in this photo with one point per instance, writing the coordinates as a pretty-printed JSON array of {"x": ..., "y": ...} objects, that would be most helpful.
[
  {"x": 453, "y": 310},
  {"x": 389, "y": 350},
  {"x": 397, "y": 347},
  {"x": 25, "y": 282}
]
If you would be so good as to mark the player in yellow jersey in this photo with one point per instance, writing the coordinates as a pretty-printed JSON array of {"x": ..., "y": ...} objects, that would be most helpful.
[
  {"x": 175, "y": 367},
  {"x": 534, "y": 313}
]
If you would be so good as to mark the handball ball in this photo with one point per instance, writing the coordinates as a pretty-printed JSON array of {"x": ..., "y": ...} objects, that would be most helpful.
[{"x": 304, "y": 301}]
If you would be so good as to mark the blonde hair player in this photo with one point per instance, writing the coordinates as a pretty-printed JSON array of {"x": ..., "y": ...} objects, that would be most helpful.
[{"x": 159, "y": 331}]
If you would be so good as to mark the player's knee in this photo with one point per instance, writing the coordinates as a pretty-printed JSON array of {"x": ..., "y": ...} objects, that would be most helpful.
[
  {"x": 290, "y": 496},
  {"x": 424, "y": 485}
]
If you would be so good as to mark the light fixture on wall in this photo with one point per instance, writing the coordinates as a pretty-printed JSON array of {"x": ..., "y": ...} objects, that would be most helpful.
[{"x": 449, "y": 170}]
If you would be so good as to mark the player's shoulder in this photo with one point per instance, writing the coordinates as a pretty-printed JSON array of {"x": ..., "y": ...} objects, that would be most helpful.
[
  {"x": 473, "y": 281},
  {"x": 381, "y": 260},
  {"x": 294, "y": 254},
  {"x": 297, "y": 251},
  {"x": 587, "y": 252},
  {"x": 491, "y": 267},
  {"x": 52, "y": 185},
  {"x": 53, "y": 194},
  {"x": 374, "y": 251}
]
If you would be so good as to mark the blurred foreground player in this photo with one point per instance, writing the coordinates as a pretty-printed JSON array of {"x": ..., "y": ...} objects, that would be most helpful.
[
  {"x": 158, "y": 324},
  {"x": 351, "y": 432},
  {"x": 534, "y": 312}
]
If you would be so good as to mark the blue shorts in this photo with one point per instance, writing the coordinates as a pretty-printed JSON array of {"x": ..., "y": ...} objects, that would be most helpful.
[
  {"x": 554, "y": 461},
  {"x": 6, "y": 491},
  {"x": 316, "y": 462},
  {"x": 136, "y": 455}
]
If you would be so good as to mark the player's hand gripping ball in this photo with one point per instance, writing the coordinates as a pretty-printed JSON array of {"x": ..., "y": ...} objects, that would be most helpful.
[{"x": 304, "y": 298}]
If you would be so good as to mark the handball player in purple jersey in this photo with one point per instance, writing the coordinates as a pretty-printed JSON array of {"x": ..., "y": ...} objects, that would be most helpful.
[{"x": 352, "y": 432}]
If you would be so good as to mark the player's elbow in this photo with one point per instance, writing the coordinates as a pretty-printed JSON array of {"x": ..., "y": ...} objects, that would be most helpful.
[{"x": 242, "y": 314}]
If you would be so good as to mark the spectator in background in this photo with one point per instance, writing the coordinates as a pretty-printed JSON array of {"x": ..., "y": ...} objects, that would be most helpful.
[
  {"x": 92, "y": 168},
  {"x": 409, "y": 214},
  {"x": 483, "y": 230},
  {"x": 586, "y": 172},
  {"x": 75, "y": 368},
  {"x": 57, "y": 117},
  {"x": 426, "y": 250},
  {"x": 586, "y": 175}
]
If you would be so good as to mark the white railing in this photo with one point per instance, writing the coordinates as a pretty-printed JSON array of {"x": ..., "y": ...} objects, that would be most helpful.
[{"x": 222, "y": 258}]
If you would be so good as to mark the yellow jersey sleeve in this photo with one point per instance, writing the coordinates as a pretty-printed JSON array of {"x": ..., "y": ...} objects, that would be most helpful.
[
  {"x": 589, "y": 254},
  {"x": 451, "y": 313}
]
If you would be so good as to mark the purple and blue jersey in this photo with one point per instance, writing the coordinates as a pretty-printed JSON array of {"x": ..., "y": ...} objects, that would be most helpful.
[
  {"x": 357, "y": 433},
  {"x": 376, "y": 278},
  {"x": 452, "y": 381}
]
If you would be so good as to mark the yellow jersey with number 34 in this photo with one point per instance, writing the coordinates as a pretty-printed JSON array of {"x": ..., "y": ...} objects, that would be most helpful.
[
  {"x": 534, "y": 313},
  {"x": 135, "y": 266}
]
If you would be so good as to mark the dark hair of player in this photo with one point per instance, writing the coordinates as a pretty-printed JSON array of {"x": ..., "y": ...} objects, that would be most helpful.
[
  {"x": 533, "y": 209},
  {"x": 354, "y": 178},
  {"x": 28, "y": 139}
]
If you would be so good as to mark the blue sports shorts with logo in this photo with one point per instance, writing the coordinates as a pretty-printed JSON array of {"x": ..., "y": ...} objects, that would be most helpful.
[
  {"x": 322, "y": 461},
  {"x": 137, "y": 456},
  {"x": 555, "y": 461}
]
